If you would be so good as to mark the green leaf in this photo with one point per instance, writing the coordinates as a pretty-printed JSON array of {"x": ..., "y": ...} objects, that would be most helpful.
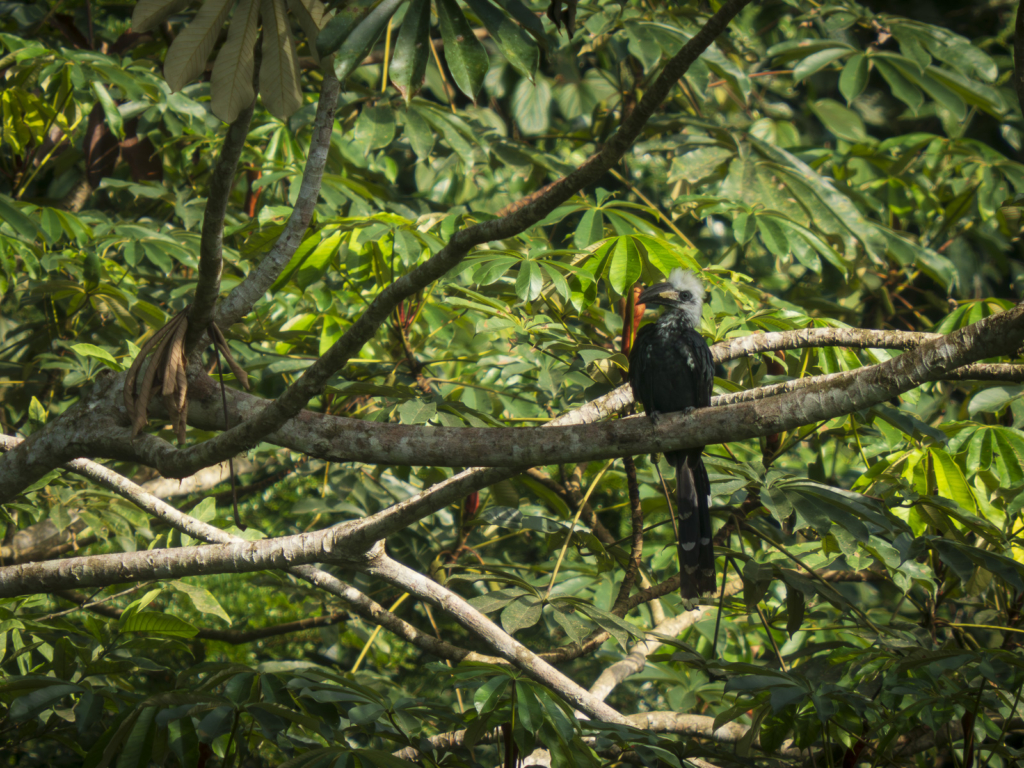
[
  {"x": 515, "y": 45},
  {"x": 772, "y": 235},
  {"x": 590, "y": 229},
  {"x": 840, "y": 120},
  {"x": 531, "y": 106},
  {"x": 27, "y": 705},
  {"x": 902, "y": 88},
  {"x": 618, "y": 628},
  {"x": 418, "y": 132},
  {"x": 21, "y": 223},
  {"x": 202, "y": 599},
  {"x": 37, "y": 411},
  {"x": 529, "y": 281},
  {"x": 993, "y": 399},
  {"x": 465, "y": 55},
  {"x": 854, "y": 78},
  {"x": 114, "y": 121},
  {"x": 950, "y": 481},
  {"x": 316, "y": 263},
  {"x": 528, "y": 19},
  {"x": 699, "y": 164},
  {"x": 337, "y": 30},
  {"x": 816, "y": 61},
  {"x": 412, "y": 48},
  {"x": 97, "y": 353},
  {"x": 375, "y": 127},
  {"x": 306, "y": 247},
  {"x": 521, "y": 613},
  {"x": 417, "y": 412},
  {"x": 624, "y": 266},
  {"x": 487, "y": 696},
  {"x": 358, "y": 43},
  {"x": 570, "y": 620},
  {"x": 158, "y": 624}
]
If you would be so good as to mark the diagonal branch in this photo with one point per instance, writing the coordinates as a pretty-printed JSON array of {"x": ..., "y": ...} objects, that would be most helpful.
[
  {"x": 358, "y": 603},
  {"x": 244, "y": 296},
  {"x": 383, "y": 567}
]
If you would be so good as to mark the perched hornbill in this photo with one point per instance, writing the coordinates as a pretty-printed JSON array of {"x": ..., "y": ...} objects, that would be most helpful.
[{"x": 671, "y": 369}]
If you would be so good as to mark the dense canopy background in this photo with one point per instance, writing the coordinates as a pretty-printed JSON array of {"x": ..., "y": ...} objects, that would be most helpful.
[{"x": 404, "y": 263}]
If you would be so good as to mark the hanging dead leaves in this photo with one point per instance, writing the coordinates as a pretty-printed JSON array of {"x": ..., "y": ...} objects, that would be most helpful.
[{"x": 167, "y": 375}]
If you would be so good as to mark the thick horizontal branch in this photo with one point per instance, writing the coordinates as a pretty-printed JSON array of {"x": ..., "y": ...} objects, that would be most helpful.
[{"x": 819, "y": 398}]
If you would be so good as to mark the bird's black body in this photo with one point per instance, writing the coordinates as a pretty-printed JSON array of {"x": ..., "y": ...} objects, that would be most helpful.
[{"x": 671, "y": 369}]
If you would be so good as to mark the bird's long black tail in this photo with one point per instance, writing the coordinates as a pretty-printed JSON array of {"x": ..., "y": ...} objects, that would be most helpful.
[{"x": 696, "y": 552}]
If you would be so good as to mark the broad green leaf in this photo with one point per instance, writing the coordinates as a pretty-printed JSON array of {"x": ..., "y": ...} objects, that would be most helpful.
[
  {"x": 902, "y": 87},
  {"x": 624, "y": 266},
  {"x": 375, "y": 127},
  {"x": 697, "y": 165},
  {"x": 27, "y": 705},
  {"x": 202, "y": 599},
  {"x": 842, "y": 121},
  {"x": 187, "y": 56},
  {"x": 409, "y": 64},
  {"x": 337, "y": 30},
  {"x": 529, "y": 281},
  {"x": 528, "y": 19},
  {"x": 514, "y": 44},
  {"x": 97, "y": 353},
  {"x": 148, "y": 13},
  {"x": 306, "y": 247},
  {"x": 417, "y": 131},
  {"x": 950, "y": 481},
  {"x": 521, "y": 613},
  {"x": 114, "y": 121},
  {"x": 465, "y": 55},
  {"x": 316, "y": 263},
  {"x": 231, "y": 88},
  {"x": 279, "y": 67},
  {"x": 417, "y": 412},
  {"x": 22, "y": 224},
  {"x": 818, "y": 60},
  {"x": 158, "y": 624},
  {"x": 854, "y": 78},
  {"x": 531, "y": 105},
  {"x": 590, "y": 229},
  {"x": 358, "y": 41}
]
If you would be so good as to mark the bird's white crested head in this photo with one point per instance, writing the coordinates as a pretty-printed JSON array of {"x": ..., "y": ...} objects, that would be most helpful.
[{"x": 691, "y": 294}]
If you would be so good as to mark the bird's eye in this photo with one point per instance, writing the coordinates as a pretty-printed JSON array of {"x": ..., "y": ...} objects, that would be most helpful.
[{"x": 686, "y": 296}]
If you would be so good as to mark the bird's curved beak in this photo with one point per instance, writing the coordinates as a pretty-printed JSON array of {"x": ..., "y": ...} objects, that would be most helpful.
[{"x": 659, "y": 293}]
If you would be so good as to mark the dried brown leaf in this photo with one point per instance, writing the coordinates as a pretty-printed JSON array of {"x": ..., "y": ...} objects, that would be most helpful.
[
  {"x": 133, "y": 372},
  {"x": 140, "y": 415},
  {"x": 221, "y": 343}
]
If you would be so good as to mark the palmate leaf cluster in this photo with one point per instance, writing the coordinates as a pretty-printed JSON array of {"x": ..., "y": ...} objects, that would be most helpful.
[{"x": 823, "y": 165}]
